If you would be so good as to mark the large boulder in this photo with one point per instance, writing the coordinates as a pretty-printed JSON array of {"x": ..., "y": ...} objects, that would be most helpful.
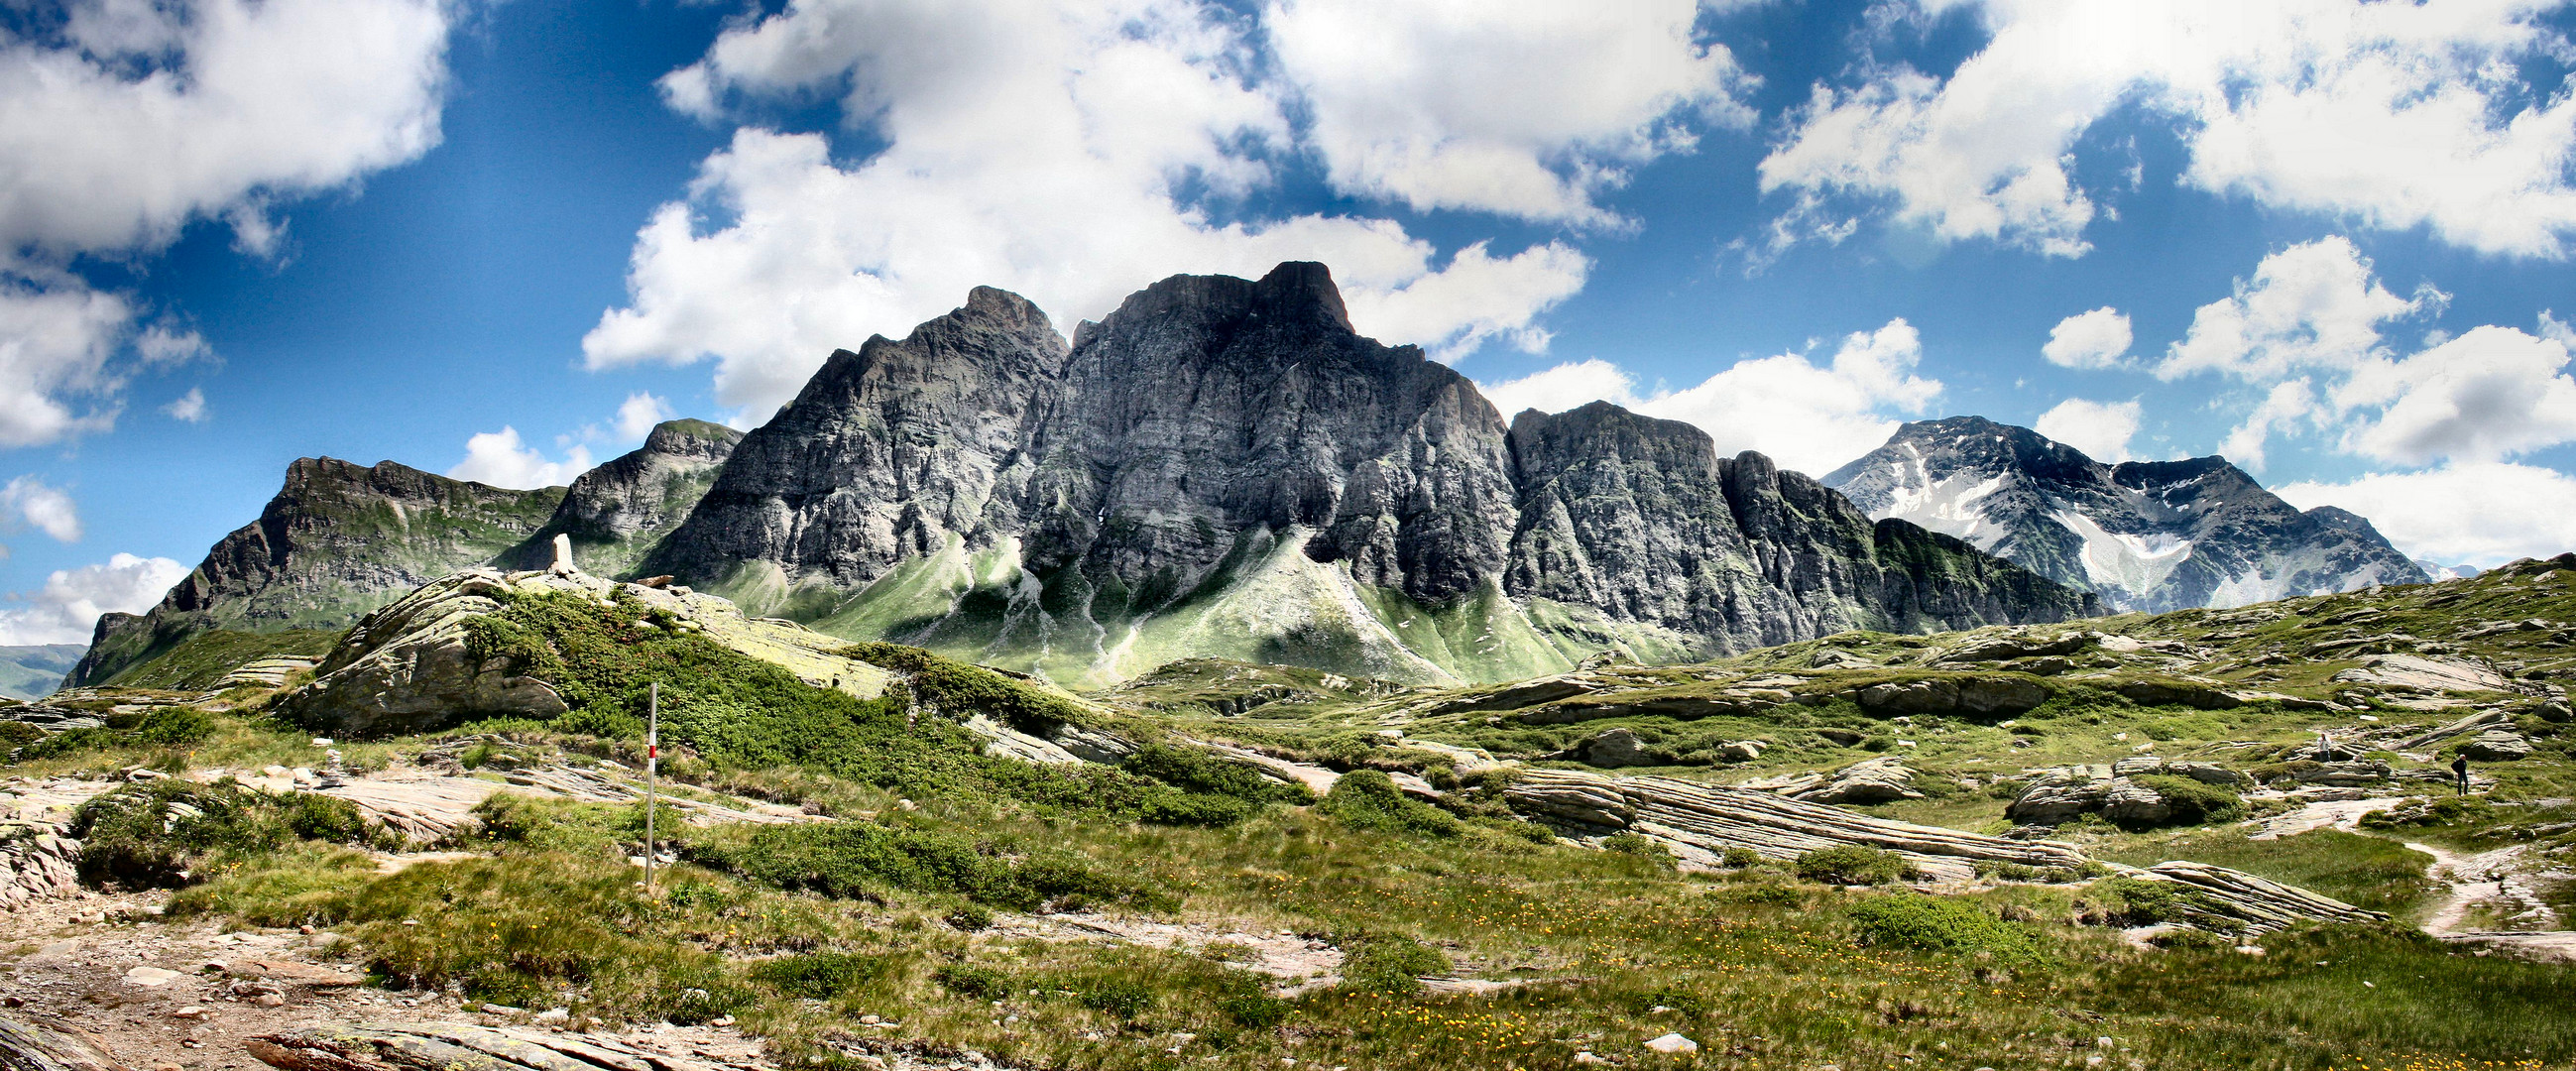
[
  {"x": 2059, "y": 794},
  {"x": 1878, "y": 780},
  {"x": 411, "y": 667},
  {"x": 1997, "y": 694},
  {"x": 1613, "y": 748},
  {"x": 2497, "y": 745}
]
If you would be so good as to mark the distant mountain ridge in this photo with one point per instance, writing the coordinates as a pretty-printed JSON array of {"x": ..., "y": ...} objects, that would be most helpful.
[
  {"x": 31, "y": 670},
  {"x": 341, "y": 539},
  {"x": 1220, "y": 467},
  {"x": 2145, "y": 535}
]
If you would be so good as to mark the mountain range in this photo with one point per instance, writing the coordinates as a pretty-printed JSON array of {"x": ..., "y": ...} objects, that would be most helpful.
[
  {"x": 2144, "y": 535},
  {"x": 1222, "y": 466}
]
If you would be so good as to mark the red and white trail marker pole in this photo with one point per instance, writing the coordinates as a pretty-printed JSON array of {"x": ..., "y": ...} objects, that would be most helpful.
[{"x": 652, "y": 767}]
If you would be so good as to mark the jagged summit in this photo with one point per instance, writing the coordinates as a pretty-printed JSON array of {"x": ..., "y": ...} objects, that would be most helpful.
[{"x": 2146, "y": 535}]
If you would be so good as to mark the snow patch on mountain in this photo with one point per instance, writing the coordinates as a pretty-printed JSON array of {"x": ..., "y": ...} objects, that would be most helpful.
[
  {"x": 2131, "y": 563},
  {"x": 1949, "y": 506}
]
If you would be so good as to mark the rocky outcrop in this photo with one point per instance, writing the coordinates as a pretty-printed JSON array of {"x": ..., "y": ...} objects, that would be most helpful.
[
  {"x": 458, "y": 1047},
  {"x": 617, "y": 513},
  {"x": 1880, "y": 780},
  {"x": 338, "y": 541},
  {"x": 2235, "y": 901},
  {"x": 1700, "y": 822},
  {"x": 42, "y": 1043},
  {"x": 413, "y": 667},
  {"x": 2146, "y": 535},
  {"x": 2061, "y": 794},
  {"x": 1999, "y": 694}
]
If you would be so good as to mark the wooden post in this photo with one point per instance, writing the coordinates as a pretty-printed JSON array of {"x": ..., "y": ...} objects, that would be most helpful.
[{"x": 652, "y": 769}]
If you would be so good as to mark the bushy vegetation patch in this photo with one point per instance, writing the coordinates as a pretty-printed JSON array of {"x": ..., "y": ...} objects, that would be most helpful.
[
  {"x": 2193, "y": 803},
  {"x": 738, "y": 712},
  {"x": 531, "y": 933},
  {"x": 1383, "y": 963},
  {"x": 169, "y": 832},
  {"x": 1941, "y": 924},
  {"x": 165, "y": 727},
  {"x": 866, "y": 861},
  {"x": 821, "y": 975},
  {"x": 959, "y": 688},
  {"x": 1852, "y": 864},
  {"x": 1368, "y": 799}
]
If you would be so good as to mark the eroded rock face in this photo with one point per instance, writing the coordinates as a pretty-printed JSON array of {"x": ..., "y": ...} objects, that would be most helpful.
[
  {"x": 410, "y": 667},
  {"x": 1878, "y": 780},
  {"x": 1949, "y": 695}
]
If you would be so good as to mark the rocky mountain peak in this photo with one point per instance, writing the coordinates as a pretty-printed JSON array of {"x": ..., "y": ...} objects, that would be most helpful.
[
  {"x": 2147, "y": 535},
  {"x": 696, "y": 439}
]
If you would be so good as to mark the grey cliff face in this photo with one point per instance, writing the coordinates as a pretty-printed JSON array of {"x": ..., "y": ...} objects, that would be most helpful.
[
  {"x": 2153, "y": 536},
  {"x": 616, "y": 513},
  {"x": 1223, "y": 466},
  {"x": 337, "y": 541}
]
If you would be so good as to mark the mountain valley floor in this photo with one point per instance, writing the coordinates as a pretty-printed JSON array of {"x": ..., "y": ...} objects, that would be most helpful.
[{"x": 1229, "y": 865}]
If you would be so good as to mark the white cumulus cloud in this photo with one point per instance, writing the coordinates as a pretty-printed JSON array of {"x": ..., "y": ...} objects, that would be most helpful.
[
  {"x": 66, "y": 610},
  {"x": 2098, "y": 338},
  {"x": 2477, "y": 513},
  {"x": 29, "y": 501},
  {"x": 2101, "y": 429},
  {"x": 499, "y": 458},
  {"x": 131, "y": 120},
  {"x": 1523, "y": 109},
  {"x": 2315, "y": 305},
  {"x": 1809, "y": 417},
  {"x": 637, "y": 415},
  {"x": 189, "y": 407},
  {"x": 1074, "y": 153},
  {"x": 2392, "y": 115}
]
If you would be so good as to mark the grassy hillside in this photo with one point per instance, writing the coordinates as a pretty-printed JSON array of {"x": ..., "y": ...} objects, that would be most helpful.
[{"x": 1177, "y": 909}]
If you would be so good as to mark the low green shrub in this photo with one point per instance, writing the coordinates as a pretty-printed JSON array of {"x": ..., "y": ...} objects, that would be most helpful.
[
  {"x": 971, "y": 918},
  {"x": 1941, "y": 924},
  {"x": 2418, "y": 812},
  {"x": 821, "y": 975},
  {"x": 861, "y": 860},
  {"x": 169, "y": 832},
  {"x": 1390, "y": 964},
  {"x": 1852, "y": 864},
  {"x": 1368, "y": 799},
  {"x": 1254, "y": 1010},
  {"x": 980, "y": 983},
  {"x": 1739, "y": 858},
  {"x": 1118, "y": 996},
  {"x": 1638, "y": 845},
  {"x": 2139, "y": 902}
]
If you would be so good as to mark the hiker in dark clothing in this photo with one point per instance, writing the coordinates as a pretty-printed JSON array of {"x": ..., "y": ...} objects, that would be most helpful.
[{"x": 2460, "y": 769}]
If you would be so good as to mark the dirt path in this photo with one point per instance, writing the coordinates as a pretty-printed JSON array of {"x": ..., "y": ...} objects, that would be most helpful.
[{"x": 2486, "y": 887}]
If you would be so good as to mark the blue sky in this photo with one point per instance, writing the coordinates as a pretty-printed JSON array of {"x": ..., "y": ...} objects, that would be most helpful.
[{"x": 2328, "y": 239}]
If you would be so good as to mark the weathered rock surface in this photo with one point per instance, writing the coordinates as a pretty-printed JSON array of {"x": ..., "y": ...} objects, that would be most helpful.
[
  {"x": 2431, "y": 674},
  {"x": 2257, "y": 905},
  {"x": 41, "y": 1043},
  {"x": 1878, "y": 780},
  {"x": 1700, "y": 822},
  {"x": 410, "y": 667},
  {"x": 2146, "y": 535},
  {"x": 1955, "y": 695},
  {"x": 2058, "y": 795},
  {"x": 2497, "y": 745},
  {"x": 1613, "y": 748},
  {"x": 457, "y": 1047}
]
